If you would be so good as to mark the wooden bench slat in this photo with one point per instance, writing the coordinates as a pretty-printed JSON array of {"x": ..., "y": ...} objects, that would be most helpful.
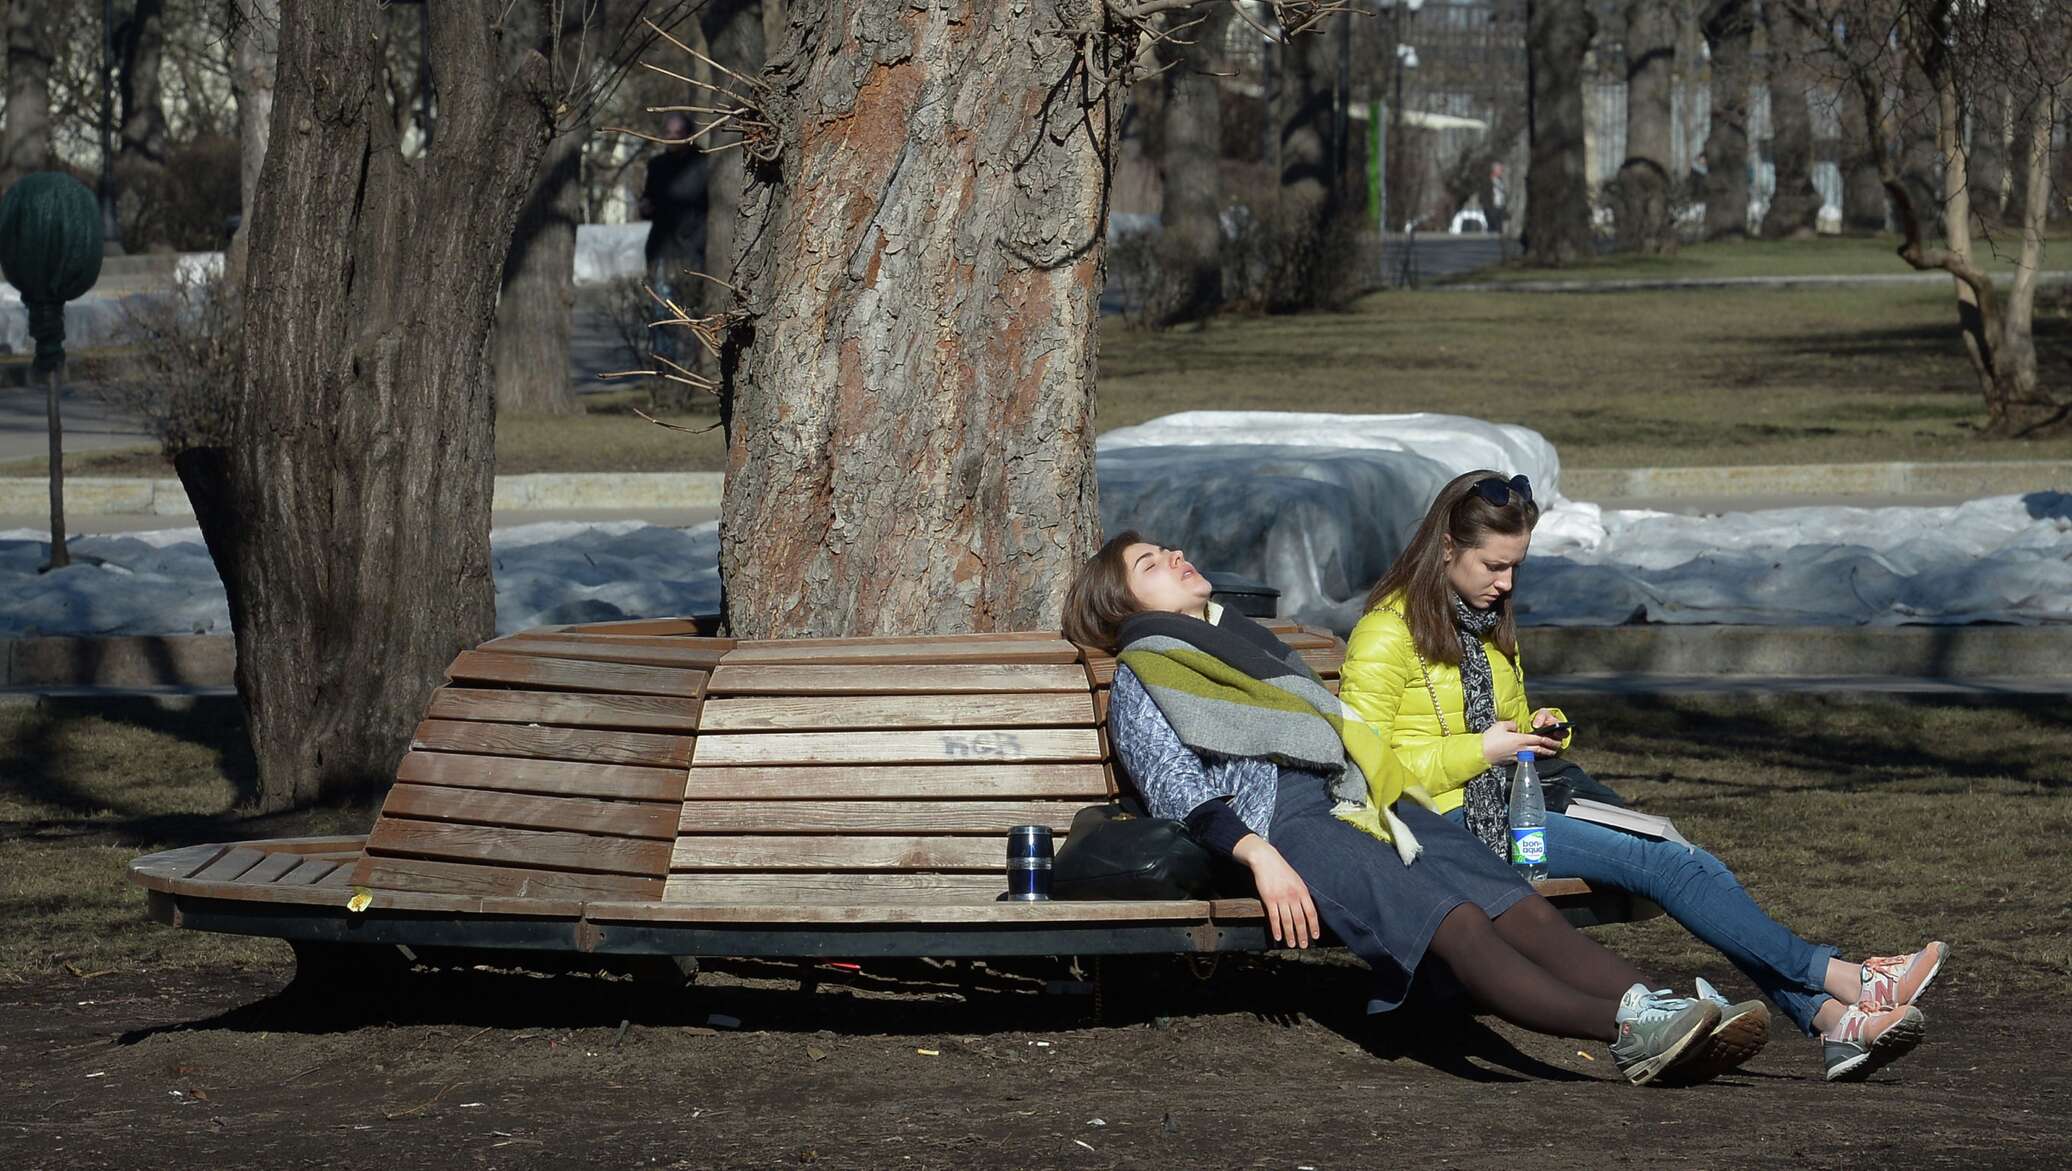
[
  {"x": 947, "y": 745},
  {"x": 558, "y": 777},
  {"x": 826, "y": 713},
  {"x": 313, "y": 873},
  {"x": 1084, "y": 782},
  {"x": 634, "y": 713},
  {"x": 848, "y": 852},
  {"x": 731, "y": 678},
  {"x": 877, "y": 886},
  {"x": 585, "y": 745},
  {"x": 271, "y": 868},
  {"x": 630, "y": 819},
  {"x": 900, "y": 911},
  {"x": 229, "y": 866},
  {"x": 337, "y": 877},
  {"x": 940, "y": 649},
  {"x": 536, "y": 849},
  {"x": 575, "y": 675},
  {"x": 419, "y": 874},
  {"x": 993, "y": 818},
  {"x": 694, "y": 653}
]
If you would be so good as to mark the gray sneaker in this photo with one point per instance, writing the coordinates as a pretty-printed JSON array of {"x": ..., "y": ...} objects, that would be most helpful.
[
  {"x": 1657, "y": 1029},
  {"x": 1861, "y": 1043},
  {"x": 1743, "y": 1030}
]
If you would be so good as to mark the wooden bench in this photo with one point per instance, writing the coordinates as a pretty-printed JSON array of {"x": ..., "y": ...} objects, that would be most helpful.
[{"x": 638, "y": 788}]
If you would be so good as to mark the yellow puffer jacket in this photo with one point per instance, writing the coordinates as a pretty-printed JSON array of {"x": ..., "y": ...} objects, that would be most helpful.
[{"x": 1382, "y": 681}]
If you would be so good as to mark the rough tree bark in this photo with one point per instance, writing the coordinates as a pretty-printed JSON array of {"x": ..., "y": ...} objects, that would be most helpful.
[
  {"x": 1557, "y": 201},
  {"x": 1794, "y": 209},
  {"x": 536, "y": 306},
  {"x": 734, "y": 31},
  {"x": 1643, "y": 188},
  {"x": 1729, "y": 33},
  {"x": 25, "y": 140},
  {"x": 347, "y": 510},
  {"x": 1190, "y": 152},
  {"x": 257, "y": 30},
  {"x": 910, "y": 412}
]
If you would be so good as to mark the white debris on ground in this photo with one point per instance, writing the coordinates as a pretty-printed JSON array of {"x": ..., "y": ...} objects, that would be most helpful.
[{"x": 1315, "y": 505}]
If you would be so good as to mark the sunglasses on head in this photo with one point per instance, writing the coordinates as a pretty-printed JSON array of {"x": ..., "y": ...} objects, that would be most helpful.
[{"x": 1499, "y": 491}]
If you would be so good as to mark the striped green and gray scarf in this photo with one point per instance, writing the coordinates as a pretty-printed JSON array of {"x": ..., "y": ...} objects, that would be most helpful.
[{"x": 1234, "y": 690}]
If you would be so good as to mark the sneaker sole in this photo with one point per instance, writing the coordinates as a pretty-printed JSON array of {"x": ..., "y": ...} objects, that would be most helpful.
[
  {"x": 1647, "y": 1071},
  {"x": 1729, "y": 1047},
  {"x": 1891, "y": 1045}
]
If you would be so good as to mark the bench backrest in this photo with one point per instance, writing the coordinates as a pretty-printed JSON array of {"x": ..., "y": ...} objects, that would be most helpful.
[{"x": 645, "y": 761}]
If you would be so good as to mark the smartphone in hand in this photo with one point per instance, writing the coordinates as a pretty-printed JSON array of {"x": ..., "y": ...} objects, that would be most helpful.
[{"x": 1554, "y": 731}]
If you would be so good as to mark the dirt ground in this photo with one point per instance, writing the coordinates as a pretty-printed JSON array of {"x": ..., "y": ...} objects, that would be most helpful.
[{"x": 1269, "y": 1063}]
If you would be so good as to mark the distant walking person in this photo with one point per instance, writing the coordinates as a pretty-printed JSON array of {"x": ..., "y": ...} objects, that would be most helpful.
[{"x": 674, "y": 200}]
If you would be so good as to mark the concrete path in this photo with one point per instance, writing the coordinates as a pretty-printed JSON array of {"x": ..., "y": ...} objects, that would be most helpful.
[{"x": 90, "y": 423}]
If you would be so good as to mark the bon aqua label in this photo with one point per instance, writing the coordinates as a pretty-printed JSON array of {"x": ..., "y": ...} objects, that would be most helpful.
[{"x": 1528, "y": 846}]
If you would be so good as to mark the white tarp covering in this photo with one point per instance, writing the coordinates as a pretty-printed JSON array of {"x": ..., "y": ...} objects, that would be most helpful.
[{"x": 1316, "y": 508}]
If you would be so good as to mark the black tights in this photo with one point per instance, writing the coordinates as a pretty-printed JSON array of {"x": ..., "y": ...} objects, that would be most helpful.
[{"x": 1534, "y": 970}]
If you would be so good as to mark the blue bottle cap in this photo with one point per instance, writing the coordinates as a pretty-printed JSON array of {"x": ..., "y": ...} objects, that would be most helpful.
[{"x": 1525, "y": 756}]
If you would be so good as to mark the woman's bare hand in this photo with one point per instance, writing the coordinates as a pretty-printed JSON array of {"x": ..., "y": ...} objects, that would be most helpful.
[
  {"x": 1290, "y": 914},
  {"x": 1503, "y": 742}
]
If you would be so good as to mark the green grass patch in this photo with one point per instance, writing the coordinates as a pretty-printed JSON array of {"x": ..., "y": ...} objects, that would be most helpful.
[{"x": 1872, "y": 825}]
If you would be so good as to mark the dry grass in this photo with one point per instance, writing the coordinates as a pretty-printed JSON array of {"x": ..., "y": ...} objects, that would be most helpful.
[
  {"x": 1872, "y": 825},
  {"x": 1716, "y": 376},
  {"x": 1825, "y": 256}
]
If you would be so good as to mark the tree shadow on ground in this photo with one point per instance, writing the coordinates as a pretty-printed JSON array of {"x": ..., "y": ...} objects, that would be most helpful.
[{"x": 913, "y": 997}]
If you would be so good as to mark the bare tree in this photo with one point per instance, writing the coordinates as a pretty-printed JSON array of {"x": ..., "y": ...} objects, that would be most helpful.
[
  {"x": 347, "y": 508},
  {"x": 1189, "y": 151},
  {"x": 256, "y": 33},
  {"x": 734, "y": 31},
  {"x": 25, "y": 140},
  {"x": 1644, "y": 189},
  {"x": 1729, "y": 34},
  {"x": 534, "y": 314},
  {"x": 1557, "y": 201},
  {"x": 1951, "y": 44},
  {"x": 1795, "y": 202}
]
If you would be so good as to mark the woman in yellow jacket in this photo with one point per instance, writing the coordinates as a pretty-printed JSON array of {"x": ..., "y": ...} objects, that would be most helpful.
[{"x": 1434, "y": 667}]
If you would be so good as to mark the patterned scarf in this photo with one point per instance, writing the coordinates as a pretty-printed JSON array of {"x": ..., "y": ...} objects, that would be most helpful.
[
  {"x": 1234, "y": 690},
  {"x": 1485, "y": 802}
]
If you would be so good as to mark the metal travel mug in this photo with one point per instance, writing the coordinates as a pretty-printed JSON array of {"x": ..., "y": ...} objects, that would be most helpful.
[{"x": 1028, "y": 863}]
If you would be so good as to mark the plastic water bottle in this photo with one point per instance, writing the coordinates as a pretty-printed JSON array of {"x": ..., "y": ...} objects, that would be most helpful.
[{"x": 1528, "y": 821}]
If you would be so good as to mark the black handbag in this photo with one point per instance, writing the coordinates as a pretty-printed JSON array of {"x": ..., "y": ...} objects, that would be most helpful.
[{"x": 1113, "y": 854}]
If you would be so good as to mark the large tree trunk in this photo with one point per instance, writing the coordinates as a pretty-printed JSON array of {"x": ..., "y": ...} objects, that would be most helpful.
[
  {"x": 1863, "y": 190},
  {"x": 1646, "y": 218},
  {"x": 1730, "y": 33},
  {"x": 140, "y": 144},
  {"x": 1557, "y": 202},
  {"x": 25, "y": 140},
  {"x": 535, "y": 310},
  {"x": 257, "y": 31},
  {"x": 1190, "y": 153},
  {"x": 348, "y": 510},
  {"x": 734, "y": 30},
  {"x": 1794, "y": 209},
  {"x": 910, "y": 421}
]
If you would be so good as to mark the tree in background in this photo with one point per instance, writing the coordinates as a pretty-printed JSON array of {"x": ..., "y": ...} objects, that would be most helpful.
[
  {"x": 1188, "y": 149},
  {"x": 1795, "y": 203},
  {"x": 1954, "y": 47},
  {"x": 25, "y": 144},
  {"x": 1557, "y": 201},
  {"x": 1643, "y": 193},
  {"x": 1730, "y": 35}
]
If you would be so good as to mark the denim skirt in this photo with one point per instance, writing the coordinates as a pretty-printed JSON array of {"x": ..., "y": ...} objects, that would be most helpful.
[{"x": 1383, "y": 910}]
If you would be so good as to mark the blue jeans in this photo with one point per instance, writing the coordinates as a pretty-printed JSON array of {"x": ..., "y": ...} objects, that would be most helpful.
[{"x": 1698, "y": 891}]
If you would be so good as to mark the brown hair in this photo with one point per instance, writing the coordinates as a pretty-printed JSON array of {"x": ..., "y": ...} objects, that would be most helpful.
[
  {"x": 1100, "y": 598},
  {"x": 1419, "y": 573}
]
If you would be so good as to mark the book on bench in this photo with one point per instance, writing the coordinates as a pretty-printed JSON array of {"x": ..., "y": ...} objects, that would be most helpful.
[{"x": 1647, "y": 825}]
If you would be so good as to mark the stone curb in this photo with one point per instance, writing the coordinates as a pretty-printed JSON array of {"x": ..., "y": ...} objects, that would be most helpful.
[
  {"x": 1983, "y": 478},
  {"x": 1663, "y": 284},
  {"x": 1987, "y": 654}
]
